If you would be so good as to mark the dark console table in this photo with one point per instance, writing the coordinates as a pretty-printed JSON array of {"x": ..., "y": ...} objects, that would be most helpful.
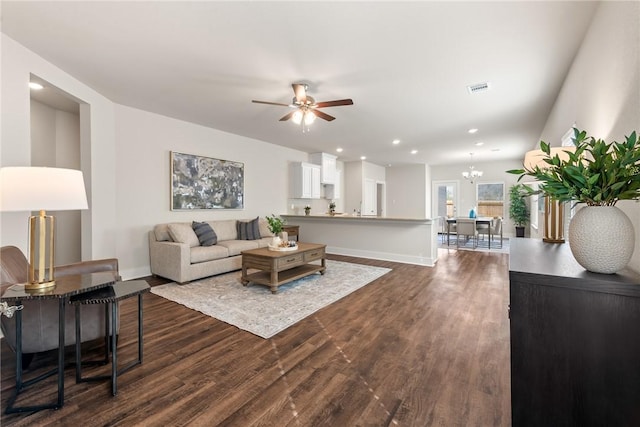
[{"x": 575, "y": 340}]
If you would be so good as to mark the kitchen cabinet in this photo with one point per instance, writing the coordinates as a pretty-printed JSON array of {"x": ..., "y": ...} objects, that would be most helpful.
[
  {"x": 305, "y": 181},
  {"x": 328, "y": 165},
  {"x": 333, "y": 192}
]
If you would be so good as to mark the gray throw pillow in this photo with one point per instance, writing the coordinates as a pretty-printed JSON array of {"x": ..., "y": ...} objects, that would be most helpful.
[
  {"x": 248, "y": 230},
  {"x": 205, "y": 233}
]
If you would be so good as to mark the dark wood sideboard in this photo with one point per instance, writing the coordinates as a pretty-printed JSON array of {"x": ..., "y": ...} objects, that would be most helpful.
[{"x": 575, "y": 340}]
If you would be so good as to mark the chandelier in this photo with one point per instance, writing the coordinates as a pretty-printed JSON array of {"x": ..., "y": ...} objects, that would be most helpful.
[{"x": 472, "y": 174}]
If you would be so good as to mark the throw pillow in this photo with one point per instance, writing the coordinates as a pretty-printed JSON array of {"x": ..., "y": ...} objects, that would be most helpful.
[
  {"x": 205, "y": 233},
  {"x": 248, "y": 230},
  {"x": 183, "y": 233}
]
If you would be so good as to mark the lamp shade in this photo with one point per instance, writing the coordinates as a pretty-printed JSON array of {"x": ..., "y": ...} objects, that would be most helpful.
[
  {"x": 535, "y": 158},
  {"x": 27, "y": 188}
]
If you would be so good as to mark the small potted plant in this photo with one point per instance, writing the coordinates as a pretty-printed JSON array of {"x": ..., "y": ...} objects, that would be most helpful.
[
  {"x": 275, "y": 226},
  {"x": 307, "y": 209},
  {"x": 332, "y": 208},
  {"x": 518, "y": 210}
]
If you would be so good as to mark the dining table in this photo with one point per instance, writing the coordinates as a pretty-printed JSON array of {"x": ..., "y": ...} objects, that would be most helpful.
[{"x": 478, "y": 220}]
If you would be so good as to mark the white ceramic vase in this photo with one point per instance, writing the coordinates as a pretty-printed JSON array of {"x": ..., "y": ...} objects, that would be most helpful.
[
  {"x": 601, "y": 238},
  {"x": 275, "y": 241}
]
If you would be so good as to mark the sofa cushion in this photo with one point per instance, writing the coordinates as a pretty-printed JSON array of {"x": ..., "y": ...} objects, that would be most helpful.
[
  {"x": 161, "y": 232},
  {"x": 208, "y": 253},
  {"x": 263, "y": 242},
  {"x": 183, "y": 233},
  {"x": 263, "y": 225},
  {"x": 225, "y": 229},
  {"x": 248, "y": 230},
  {"x": 206, "y": 235},
  {"x": 235, "y": 247}
]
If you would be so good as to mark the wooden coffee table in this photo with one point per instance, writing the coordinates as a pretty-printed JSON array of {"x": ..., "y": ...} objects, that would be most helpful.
[{"x": 279, "y": 267}]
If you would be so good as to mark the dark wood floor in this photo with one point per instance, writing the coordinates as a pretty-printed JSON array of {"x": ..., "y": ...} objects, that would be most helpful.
[{"x": 418, "y": 347}]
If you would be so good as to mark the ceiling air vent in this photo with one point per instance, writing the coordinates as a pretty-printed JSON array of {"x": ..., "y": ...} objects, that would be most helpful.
[{"x": 480, "y": 87}]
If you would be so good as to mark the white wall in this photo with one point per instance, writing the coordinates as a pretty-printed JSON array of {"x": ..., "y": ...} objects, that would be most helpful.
[
  {"x": 127, "y": 176},
  {"x": 602, "y": 91},
  {"x": 353, "y": 183},
  {"x": 97, "y": 147},
  {"x": 55, "y": 142},
  {"x": 407, "y": 189},
  {"x": 144, "y": 142},
  {"x": 355, "y": 174},
  {"x": 492, "y": 172}
]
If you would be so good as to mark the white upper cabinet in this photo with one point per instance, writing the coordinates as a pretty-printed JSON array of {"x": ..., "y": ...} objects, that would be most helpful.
[
  {"x": 333, "y": 191},
  {"x": 305, "y": 181},
  {"x": 328, "y": 163}
]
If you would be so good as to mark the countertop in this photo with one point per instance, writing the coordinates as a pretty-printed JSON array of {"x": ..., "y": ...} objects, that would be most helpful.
[{"x": 352, "y": 217}]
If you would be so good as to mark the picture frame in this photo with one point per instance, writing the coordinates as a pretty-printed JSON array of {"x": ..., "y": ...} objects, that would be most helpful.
[{"x": 199, "y": 182}]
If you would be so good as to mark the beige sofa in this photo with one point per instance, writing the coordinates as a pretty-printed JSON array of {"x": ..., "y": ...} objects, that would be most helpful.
[{"x": 176, "y": 254}]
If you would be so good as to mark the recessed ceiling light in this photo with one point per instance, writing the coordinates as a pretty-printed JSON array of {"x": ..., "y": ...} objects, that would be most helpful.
[
  {"x": 339, "y": 150},
  {"x": 414, "y": 151},
  {"x": 396, "y": 141},
  {"x": 495, "y": 149},
  {"x": 472, "y": 130},
  {"x": 479, "y": 144},
  {"x": 35, "y": 86},
  {"x": 363, "y": 157}
]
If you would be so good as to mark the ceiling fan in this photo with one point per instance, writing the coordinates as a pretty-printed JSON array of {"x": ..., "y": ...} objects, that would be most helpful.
[{"x": 306, "y": 108}]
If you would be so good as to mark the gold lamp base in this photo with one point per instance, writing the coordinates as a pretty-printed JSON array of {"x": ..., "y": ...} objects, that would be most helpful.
[
  {"x": 40, "y": 286},
  {"x": 41, "y": 252},
  {"x": 553, "y": 221}
]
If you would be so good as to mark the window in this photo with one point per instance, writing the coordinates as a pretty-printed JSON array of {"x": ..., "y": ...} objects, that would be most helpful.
[{"x": 490, "y": 197}]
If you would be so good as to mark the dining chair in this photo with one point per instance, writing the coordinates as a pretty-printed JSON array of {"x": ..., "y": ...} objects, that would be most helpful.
[
  {"x": 450, "y": 229},
  {"x": 483, "y": 228},
  {"x": 467, "y": 227},
  {"x": 496, "y": 229}
]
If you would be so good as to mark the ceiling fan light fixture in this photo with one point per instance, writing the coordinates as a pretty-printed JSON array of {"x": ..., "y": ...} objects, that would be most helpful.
[
  {"x": 309, "y": 117},
  {"x": 297, "y": 117}
]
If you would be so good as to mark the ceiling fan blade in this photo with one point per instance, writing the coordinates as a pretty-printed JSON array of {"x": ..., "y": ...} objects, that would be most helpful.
[
  {"x": 287, "y": 116},
  {"x": 270, "y": 103},
  {"x": 301, "y": 92},
  {"x": 322, "y": 115},
  {"x": 334, "y": 103}
]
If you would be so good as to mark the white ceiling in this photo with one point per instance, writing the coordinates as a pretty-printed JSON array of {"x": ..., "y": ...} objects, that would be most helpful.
[{"x": 406, "y": 66}]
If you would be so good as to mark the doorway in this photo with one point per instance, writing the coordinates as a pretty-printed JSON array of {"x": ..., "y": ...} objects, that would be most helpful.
[{"x": 445, "y": 201}]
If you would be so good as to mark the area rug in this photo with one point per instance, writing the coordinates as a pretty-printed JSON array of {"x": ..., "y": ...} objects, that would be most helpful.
[{"x": 255, "y": 309}]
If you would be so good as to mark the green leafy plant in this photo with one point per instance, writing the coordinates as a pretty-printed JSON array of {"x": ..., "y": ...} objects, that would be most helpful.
[
  {"x": 275, "y": 223},
  {"x": 518, "y": 210},
  {"x": 307, "y": 209},
  {"x": 596, "y": 173},
  {"x": 332, "y": 206}
]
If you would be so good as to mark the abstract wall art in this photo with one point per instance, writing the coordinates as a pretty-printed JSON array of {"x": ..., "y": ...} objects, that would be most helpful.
[{"x": 199, "y": 182}]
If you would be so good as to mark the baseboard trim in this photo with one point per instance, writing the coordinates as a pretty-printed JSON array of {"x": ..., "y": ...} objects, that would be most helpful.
[{"x": 383, "y": 256}]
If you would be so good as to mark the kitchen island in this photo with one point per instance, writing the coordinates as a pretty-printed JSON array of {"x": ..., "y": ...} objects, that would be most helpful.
[{"x": 407, "y": 240}]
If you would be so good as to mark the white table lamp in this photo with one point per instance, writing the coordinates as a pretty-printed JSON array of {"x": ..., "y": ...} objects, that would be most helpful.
[{"x": 41, "y": 189}]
